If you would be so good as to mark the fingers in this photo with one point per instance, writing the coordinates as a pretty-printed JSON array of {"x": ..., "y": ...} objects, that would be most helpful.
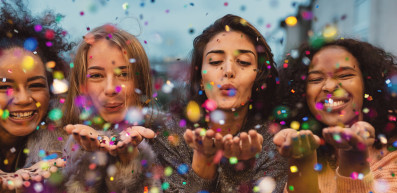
[
  {"x": 219, "y": 141},
  {"x": 85, "y": 136}
]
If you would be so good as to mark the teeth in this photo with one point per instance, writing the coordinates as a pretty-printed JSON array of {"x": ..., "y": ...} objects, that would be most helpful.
[
  {"x": 21, "y": 115},
  {"x": 332, "y": 103}
]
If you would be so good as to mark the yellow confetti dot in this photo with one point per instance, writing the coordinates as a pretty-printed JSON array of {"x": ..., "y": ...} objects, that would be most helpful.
[
  {"x": 117, "y": 71},
  {"x": 193, "y": 111},
  {"x": 38, "y": 104},
  {"x": 243, "y": 21},
  {"x": 227, "y": 28},
  {"x": 5, "y": 161},
  {"x": 26, "y": 151},
  {"x": 291, "y": 21},
  {"x": 111, "y": 178},
  {"x": 339, "y": 92},
  {"x": 293, "y": 169},
  {"x": 212, "y": 83},
  {"x": 27, "y": 62},
  {"x": 1, "y": 112},
  {"x": 295, "y": 125},
  {"x": 330, "y": 31},
  {"x": 58, "y": 75}
]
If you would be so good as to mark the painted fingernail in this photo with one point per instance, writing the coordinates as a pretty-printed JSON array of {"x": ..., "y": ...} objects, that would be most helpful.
[
  {"x": 74, "y": 133},
  {"x": 83, "y": 137},
  {"x": 92, "y": 139},
  {"x": 295, "y": 138}
]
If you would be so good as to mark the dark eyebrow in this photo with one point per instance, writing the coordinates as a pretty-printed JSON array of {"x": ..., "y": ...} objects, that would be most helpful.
[
  {"x": 122, "y": 67},
  {"x": 7, "y": 80},
  {"x": 95, "y": 68},
  {"x": 345, "y": 68},
  {"x": 215, "y": 51},
  {"x": 315, "y": 72},
  {"x": 246, "y": 51},
  {"x": 222, "y": 52},
  {"x": 36, "y": 77}
]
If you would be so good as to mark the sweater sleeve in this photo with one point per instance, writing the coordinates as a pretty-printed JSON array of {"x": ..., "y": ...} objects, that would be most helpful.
[
  {"x": 134, "y": 176},
  {"x": 347, "y": 184}
]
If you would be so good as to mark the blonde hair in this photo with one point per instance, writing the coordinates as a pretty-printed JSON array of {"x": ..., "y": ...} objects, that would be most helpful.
[{"x": 139, "y": 71}]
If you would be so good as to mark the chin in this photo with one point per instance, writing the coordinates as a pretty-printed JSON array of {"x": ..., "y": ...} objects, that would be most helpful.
[{"x": 21, "y": 132}]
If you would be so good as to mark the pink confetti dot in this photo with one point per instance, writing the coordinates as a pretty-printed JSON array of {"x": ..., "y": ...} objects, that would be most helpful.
[
  {"x": 62, "y": 100},
  {"x": 145, "y": 41},
  {"x": 226, "y": 4},
  {"x": 48, "y": 44},
  {"x": 81, "y": 13},
  {"x": 167, "y": 11},
  {"x": 38, "y": 28},
  {"x": 118, "y": 89},
  {"x": 182, "y": 123},
  {"x": 320, "y": 106},
  {"x": 60, "y": 138}
]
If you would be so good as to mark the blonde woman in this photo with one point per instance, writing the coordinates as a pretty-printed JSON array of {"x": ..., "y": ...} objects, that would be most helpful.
[{"x": 109, "y": 81}]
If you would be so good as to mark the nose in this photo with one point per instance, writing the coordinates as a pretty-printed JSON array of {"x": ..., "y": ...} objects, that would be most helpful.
[
  {"x": 22, "y": 96},
  {"x": 330, "y": 85},
  {"x": 110, "y": 88},
  {"x": 229, "y": 71}
]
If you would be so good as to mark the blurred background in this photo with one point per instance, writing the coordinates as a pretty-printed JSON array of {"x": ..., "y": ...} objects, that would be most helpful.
[{"x": 166, "y": 28}]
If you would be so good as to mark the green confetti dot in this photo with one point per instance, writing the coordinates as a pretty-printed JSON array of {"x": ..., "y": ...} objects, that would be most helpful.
[
  {"x": 132, "y": 171},
  {"x": 291, "y": 188},
  {"x": 256, "y": 189},
  {"x": 184, "y": 183},
  {"x": 165, "y": 185},
  {"x": 347, "y": 58},
  {"x": 5, "y": 115},
  {"x": 71, "y": 65},
  {"x": 233, "y": 160},
  {"x": 106, "y": 126},
  {"x": 55, "y": 114},
  {"x": 204, "y": 71}
]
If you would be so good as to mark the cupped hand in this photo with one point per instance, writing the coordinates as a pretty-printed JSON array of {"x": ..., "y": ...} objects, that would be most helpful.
[
  {"x": 243, "y": 147},
  {"x": 205, "y": 142},
  {"x": 359, "y": 136},
  {"x": 86, "y": 137},
  {"x": 130, "y": 138},
  {"x": 296, "y": 145},
  {"x": 37, "y": 172}
]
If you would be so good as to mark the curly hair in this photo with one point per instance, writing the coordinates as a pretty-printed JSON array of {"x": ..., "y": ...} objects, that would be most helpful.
[
  {"x": 263, "y": 90},
  {"x": 17, "y": 27},
  {"x": 376, "y": 66}
]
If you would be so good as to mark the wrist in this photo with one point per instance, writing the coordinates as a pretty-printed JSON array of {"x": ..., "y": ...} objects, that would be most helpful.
[{"x": 203, "y": 165}]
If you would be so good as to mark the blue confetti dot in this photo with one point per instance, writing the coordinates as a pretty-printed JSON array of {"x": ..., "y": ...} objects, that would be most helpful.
[
  {"x": 200, "y": 92},
  {"x": 395, "y": 144},
  {"x": 52, "y": 156},
  {"x": 318, "y": 167},
  {"x": 30, "y": 44},
  {"x": 183, "y": 169},
  {"x": 305, "y": 118}
]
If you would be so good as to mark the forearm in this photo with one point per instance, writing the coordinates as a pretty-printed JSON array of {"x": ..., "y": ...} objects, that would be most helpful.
[
  {"x": 306, "y": 178},
  {"x": 204, "y": 166}
]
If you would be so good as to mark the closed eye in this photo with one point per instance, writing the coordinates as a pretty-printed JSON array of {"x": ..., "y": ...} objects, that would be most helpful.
[
  {"x": 314, "y": 80},
  {"x": 37, "y": 85},
  {"x": 345, "y": 76},
  {"x": 5, "y": 87},
  {"x": 244, "y": 63},
  {"x": 215, "y": 62}
]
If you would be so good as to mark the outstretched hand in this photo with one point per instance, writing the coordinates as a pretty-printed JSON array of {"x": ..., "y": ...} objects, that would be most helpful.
[
  {"x": 359, "y": 137},
  {"x": 296, "y": 145},
  {"x": 204, "y": 142},
  {"x": 37, "y": 172},
  {"x": 130, "y": 138},
  {"x": 243, "y": 147}
]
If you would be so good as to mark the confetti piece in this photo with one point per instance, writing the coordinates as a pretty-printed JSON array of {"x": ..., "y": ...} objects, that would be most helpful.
[
  {"x": 183, "y": 169},
  {"x": 295, "y": 125},
  {"x": 209, "y": 105},
  {"x": 291, "y": 21},
  {"x": 165, "y": 185},
  {"x": 227, "y": 28},
  {"x": 233, "y": 160},
  {"x": 318, "y": 167},
  {"x": 55, "y": 114},
  {"x": 193, "y": 111},
  {"x": 28, "y": 63},
  {"x": 30, "y": 44},
  {"x": 168, "y": 171},
  {"x": 293, "y": 169},
  {"x": 125, "y": 6}
]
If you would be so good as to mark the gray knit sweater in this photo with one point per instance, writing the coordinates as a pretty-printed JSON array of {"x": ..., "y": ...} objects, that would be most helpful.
[{"x": 229, "y": 179}]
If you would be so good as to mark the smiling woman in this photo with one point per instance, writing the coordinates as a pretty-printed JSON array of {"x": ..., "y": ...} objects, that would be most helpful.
[
  {"x": 341, "y": 96},
  {"x": 110, "y": 86},
  {"x": 25, "y": 95}
]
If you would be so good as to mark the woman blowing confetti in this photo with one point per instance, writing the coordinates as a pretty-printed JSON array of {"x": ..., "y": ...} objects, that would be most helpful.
[{"x": 340, "y": 91}]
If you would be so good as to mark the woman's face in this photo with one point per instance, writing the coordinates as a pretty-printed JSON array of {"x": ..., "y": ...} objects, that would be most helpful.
[
  {"x": 24, "y": 91},
  {"x": 108, "y": 85},
  {"x": 229, "y": 69},
  {"x": 335, "y": 87}
]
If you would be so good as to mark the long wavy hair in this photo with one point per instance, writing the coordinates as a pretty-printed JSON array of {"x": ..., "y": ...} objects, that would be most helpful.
[{"x": 264, "y": 87}]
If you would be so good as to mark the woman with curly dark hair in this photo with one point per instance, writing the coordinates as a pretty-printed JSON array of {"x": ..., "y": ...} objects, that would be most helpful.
[
  {"x": 233, "y": 79},
  {"x": 338, "y": 92},
  {"x": 27, "y": 44}
]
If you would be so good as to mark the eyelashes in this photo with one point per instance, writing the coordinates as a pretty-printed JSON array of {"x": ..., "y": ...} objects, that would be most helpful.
[{"x": 240, "y": 62}]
